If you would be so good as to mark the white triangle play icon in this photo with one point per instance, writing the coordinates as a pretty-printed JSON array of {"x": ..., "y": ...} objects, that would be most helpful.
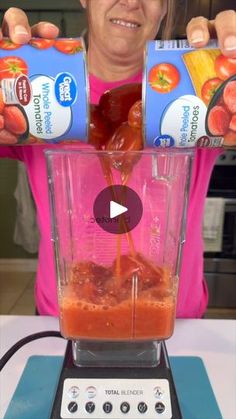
[{"x": 116, "y": 209}]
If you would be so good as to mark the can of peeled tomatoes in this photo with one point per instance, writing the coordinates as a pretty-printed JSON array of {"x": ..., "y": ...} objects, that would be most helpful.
[
  {"x": 43, "y": 91},
  {"x": 189, "y": 96}
]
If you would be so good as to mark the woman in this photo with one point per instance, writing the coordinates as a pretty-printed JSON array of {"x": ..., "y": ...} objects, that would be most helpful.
[{"x": 118, "y": 31}]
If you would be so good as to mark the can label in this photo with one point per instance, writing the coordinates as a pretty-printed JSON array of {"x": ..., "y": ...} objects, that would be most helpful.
[
  {"x": 189, "y": 96},
  {"x": 43, "y": 92}
]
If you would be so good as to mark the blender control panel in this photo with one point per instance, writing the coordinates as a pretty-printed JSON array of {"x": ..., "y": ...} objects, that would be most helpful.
[{"x": 116, "y": 398}]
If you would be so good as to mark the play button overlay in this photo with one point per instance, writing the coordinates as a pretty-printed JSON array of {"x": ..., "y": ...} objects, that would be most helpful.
[{"x": 117, "y": 209}]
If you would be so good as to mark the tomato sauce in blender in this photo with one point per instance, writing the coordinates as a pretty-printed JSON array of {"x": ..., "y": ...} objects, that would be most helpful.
[
  {"x": 140, "y": 304},
  {"x": 133, "y": 298}
]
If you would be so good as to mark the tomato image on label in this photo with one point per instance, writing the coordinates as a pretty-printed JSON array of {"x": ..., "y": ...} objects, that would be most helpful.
[
  {"x": 69, "y": 46},
  {"x": 12, "y": 67},
  {"x": 41, "y": 43},
  {"x": 7, "y": 44},
  {"x": 163, "y": 77},
  {"x": 1, "y": 122},
  {"x": 229, "y": 96},
  {"x": 230, "y": 138},
  {"x": 14, "y": 120},
  {"x": 225, "y": 67},
  {"x": 232, "y": 124},
  {"x": 218, "y": 120},
  {"x": 2, "y": 104},
  {"x": 209, "y": 88}
]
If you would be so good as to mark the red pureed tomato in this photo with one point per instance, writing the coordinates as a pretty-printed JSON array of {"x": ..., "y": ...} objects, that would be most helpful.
[
  {"x": 69, "y": 46},
  {"x": 115, "y": 104},
  {"x": 41, "y": 43},
  {"x": 125, "y": 138},
  {"x": 98, "y": 129},
  {"x": 93, "y": 304},
  {"x": 225, "y": 67},
  {"x": 209, "y": 88},
  {"x": 163, "y": 77},
  {"x": 135, "y": 115},
  {"x": 12, "y": 67}
]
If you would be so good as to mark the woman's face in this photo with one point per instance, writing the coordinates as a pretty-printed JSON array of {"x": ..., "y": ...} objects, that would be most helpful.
[{"x": 122, "y": 27}]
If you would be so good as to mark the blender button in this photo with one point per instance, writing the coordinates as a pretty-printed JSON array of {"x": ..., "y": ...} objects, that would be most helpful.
[
  {"x": 107, "y": 407},
  {"x": 72, "y": 407},
  {"x": 159, "y": 407},
  {"x": 73, "y": 392},
  {"x": 91, "y": 392},
  {"x": 142, "y": 407},
  {"x": 125, "y": 407},
  {"x": 158, "y": 392},
  {"x": 90, "y": 407}
]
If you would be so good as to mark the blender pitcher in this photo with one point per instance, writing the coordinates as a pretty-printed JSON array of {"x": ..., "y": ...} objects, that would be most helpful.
[{"x": 117, "y": 287}]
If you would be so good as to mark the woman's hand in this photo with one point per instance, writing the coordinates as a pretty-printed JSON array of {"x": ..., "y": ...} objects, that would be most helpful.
[
  {"x": 15, "y": 25},
  {"x": 223, "y": 27}
]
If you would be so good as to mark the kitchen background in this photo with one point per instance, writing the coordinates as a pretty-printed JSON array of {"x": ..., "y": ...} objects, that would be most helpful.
[{"x": 18, "y": 245}]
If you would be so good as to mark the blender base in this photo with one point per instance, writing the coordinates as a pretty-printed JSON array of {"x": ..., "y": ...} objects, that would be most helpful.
[{"x": 116, "y": 392}]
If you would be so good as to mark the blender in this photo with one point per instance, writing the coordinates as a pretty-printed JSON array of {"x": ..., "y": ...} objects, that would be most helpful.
[{"x": 118, "y": 223}]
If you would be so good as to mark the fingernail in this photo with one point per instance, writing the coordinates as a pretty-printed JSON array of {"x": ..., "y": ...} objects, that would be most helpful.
[
  {"x": 197, "y": 36},
  {"x": 230, "y": 43},
  {"x": 20, "y": 30},
  {"x": 49, "y": 26}
]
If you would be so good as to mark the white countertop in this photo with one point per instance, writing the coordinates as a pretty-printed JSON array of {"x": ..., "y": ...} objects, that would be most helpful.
[{"x": 212, "y": 340}]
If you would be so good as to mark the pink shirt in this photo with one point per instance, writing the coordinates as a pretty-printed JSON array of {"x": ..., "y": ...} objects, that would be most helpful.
[{"x": 192, "y": 299}]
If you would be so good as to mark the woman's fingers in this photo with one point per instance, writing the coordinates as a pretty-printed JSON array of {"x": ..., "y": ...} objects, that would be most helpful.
[
  {"x": 45, "y": 30},
  {"x": 225, "y": 24},
  {"x": 199, "y": 31},
  {"x": 16, "y": 26}
]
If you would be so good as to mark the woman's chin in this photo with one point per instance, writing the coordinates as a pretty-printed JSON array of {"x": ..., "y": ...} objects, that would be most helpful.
[{"x": 123, "y": 50}]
